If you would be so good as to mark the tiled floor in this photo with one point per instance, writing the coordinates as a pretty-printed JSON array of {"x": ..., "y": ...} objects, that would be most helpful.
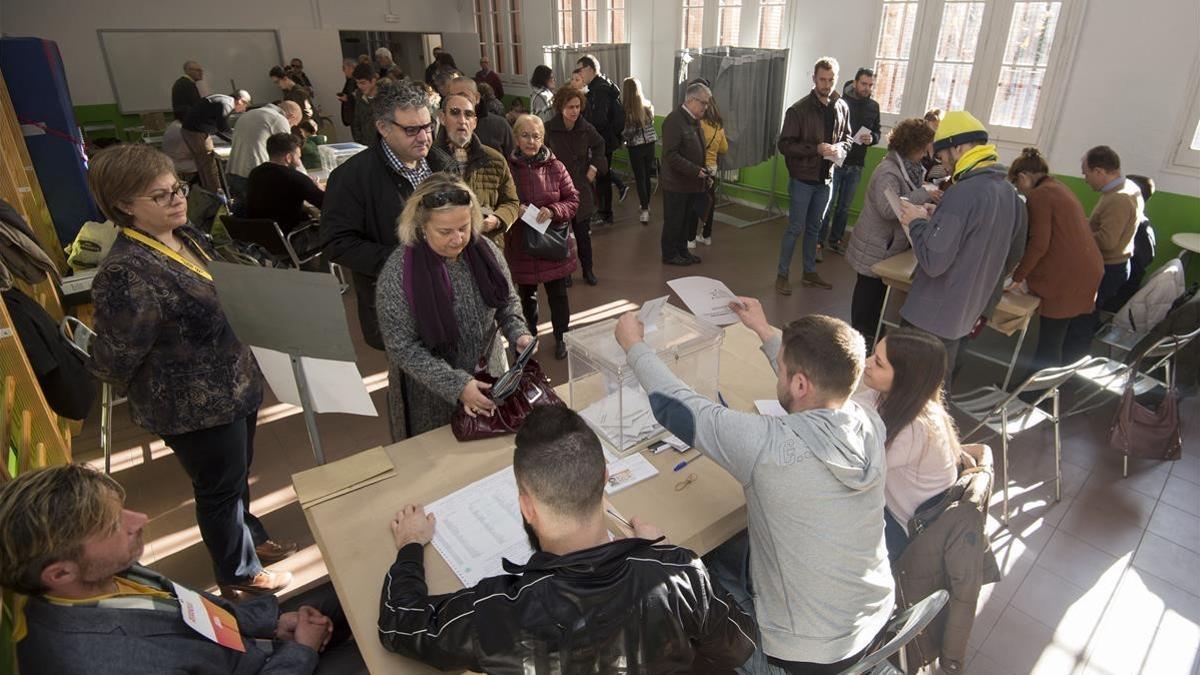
[{"x": 1106, "y": 581}]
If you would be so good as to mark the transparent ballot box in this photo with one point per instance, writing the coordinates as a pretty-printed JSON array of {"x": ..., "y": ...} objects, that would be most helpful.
[
  {"x": 334, "y": 154},
  {"x": 603, "y": 389}
]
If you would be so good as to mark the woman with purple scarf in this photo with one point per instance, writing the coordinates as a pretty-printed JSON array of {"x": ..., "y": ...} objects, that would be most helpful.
[{"x": 439, "y": 296}]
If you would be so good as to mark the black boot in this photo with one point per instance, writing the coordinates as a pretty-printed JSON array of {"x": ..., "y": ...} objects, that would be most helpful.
[
  {"x": 560, "y": 349},
  {"x": 590, "y": 277}
]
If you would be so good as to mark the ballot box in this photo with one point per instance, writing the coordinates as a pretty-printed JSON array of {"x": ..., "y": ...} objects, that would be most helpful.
[
  {"x": 603, "y": 389},
  {"x": 334, "y": 154}
]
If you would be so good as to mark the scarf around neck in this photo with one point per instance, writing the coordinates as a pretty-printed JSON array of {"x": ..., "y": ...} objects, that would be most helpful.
[
  {"x": 431, "y": 295},
  {"x": 978, "y": 157}
]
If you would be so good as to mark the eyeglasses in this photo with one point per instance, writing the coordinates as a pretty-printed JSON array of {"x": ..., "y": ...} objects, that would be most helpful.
[
  {"x": 460, "y": 112},
  {"x": 529, "y": 137},
  {"x": 412, "y": 131},
  {"x": 436, "y": 200},
  {"x": 167, "y": 197},
  {"x": 682, "y": 485},
  {"x": 701, "y": 101}
]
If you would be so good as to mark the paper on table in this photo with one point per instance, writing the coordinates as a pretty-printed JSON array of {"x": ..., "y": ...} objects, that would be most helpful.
[
  {"x": 770, "y": 408},
  {"x": 334, "y": 386},
  {"x": 861, "y": 130},
  {"x": 628, "y": 471},
  {"x": 651, "y": 312},
  {"x": 707, "y": 298},
  {"x": 529, "y": 215},
  {"x": 480, "y": 525}
]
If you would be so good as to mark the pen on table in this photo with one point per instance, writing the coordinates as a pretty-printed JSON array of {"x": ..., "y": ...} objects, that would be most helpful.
[
  {"x": 624, "y": 522},
  {"x": 679, "y": 466},
  {"x": 721, "y": 400}
]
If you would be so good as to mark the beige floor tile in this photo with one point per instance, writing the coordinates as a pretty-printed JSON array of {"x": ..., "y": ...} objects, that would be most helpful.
[
  {"x": 1176, "y": 525},
  {"x": 1147, "y": 479},
  {"x": 1077, "y": 561},
  {"x": 1116, "y": 500},
  {"x": 1073, "y": 612},
  {"x": 1169, "y": 561},
  {"x": 985, "y": 665},
  {"x": 1142, "y": 607},
  {"x": 1024, "y": 645},
  {"x": 1182, "y": 494},
  {"x": 1103, "y": 525},
  {"x": 1187, "y": 468}
]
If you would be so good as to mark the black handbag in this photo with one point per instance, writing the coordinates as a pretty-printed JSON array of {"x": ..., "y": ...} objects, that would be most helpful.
[{"x": 551, "y": 245}]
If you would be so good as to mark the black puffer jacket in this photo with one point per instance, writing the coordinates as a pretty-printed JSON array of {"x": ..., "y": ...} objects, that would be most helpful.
[
  {"x": 604, "y": 111},
  {"x": 624, "y": 607}
]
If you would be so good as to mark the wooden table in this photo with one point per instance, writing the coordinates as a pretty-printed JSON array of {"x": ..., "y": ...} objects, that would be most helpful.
[
  {"x": 1012, "y": 315},
  {"x": 1188, "y": 241},
  {"x": 351, "y": 528}
]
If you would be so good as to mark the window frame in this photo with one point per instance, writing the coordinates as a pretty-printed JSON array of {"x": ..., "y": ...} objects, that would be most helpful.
[
  {"x": 604, "y": 21},
  {"x": 986, "y": 67},
  {"x": 1185, "y": 160},
  {"x": 496, "y": 17}
]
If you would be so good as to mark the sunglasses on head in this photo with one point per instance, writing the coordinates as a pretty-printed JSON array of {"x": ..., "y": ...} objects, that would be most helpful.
[{"x": 455, "y": 196}]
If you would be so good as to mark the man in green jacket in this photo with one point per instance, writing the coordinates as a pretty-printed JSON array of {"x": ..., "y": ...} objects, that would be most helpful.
[{"x": 483, "y": 169}]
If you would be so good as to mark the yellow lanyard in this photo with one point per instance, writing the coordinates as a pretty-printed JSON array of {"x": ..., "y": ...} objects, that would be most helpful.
[{"x": 162, "y": 248}]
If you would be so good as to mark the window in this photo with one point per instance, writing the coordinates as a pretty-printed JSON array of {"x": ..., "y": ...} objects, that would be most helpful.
[
  {"x": 588, "y": 21},
  {"x": 588, "y": 13},
  {"x": 729, "y": 18},
  {"x": 566, "y": 21},
  {"x": 498, "y": 23},
  {"x": 955, "y": 55},
  {"x": 892, "y": 53},
  {"x": 1026, "y": 55},
  {"x": 1195, "y": 145},
  {"x": 616, "y": 21},
  {"x": 693, "y": 24},
  {"x": 1186, "y": 157},
  {"x": 770, "y": 23}
]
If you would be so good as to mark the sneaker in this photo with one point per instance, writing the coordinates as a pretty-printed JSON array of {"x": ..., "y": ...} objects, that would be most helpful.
[
  {"x": 815, "y": 280},
  {"x": 691, "y": 243},
  {"x": 621, "y": 192},
  {"x": 271, "y": 552},
  {"x": 782, "y": 286},
  {"x": 263, "y": 583},
  {"x": 838, "y": 247},
  {"x": 644, "y": 217},
  {"x": 707, "y": 241},
  {"x": 820, "y": 257}
]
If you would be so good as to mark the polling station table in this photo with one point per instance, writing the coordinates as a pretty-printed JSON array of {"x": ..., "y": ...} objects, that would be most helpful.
[
  {"x": 1012, "y": 315},
  {"x": 349, "y": 503}
]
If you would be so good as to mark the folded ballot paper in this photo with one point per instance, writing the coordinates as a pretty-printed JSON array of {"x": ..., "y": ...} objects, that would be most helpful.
[{"x": 623, "y": 417}]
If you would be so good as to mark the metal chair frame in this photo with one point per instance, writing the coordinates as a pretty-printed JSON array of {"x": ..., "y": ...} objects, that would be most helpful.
[
  {"x": 80, "y": 336},
  {"x": 906, "y": 626},
  {"x": 280, "y": 246}
]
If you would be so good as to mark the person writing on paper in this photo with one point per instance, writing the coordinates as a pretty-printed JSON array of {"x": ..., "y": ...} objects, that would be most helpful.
[
  {"x": 877, "y": 234},
  {"x": 440, "y": 295},
  {"x": 584, "y": 602},
  {"x": 966, "y": 247},
  {"x": 69, "y": 545},
  {"x": 814, "y": 483},
  {"x": 162, "y": 337},
  {"x": 1061, "y": 264},
  {"x": 903, "y": 382},
  {"x": 544, "y": 184}
]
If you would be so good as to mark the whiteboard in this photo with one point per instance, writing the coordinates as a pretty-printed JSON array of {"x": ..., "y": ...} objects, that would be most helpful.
[{"x": 143, "y": 64}]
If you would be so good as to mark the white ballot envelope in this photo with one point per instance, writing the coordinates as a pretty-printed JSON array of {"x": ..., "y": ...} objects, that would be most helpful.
[
  {"x": 529, "y": 215},
  {"x": 861, "y": 130},
  {"x": 651, "y": 313},
  {"x": 707, "y": 298}
]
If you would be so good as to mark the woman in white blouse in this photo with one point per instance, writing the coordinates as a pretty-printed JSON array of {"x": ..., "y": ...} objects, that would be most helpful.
[{"x": 903, "y": 381}]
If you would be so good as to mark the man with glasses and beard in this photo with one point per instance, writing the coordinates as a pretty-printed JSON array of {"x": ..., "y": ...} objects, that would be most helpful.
[
  {"x": 366, "y": 194},
  {"x": 483, "y": 169},
  {"x": 584, "y": 602}
]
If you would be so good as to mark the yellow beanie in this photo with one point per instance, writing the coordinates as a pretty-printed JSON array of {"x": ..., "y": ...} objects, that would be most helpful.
[{"x": 958, "y": 127}]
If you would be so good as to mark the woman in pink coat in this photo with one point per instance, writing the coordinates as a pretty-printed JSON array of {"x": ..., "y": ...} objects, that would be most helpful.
[{"x": 542, "y": 181}]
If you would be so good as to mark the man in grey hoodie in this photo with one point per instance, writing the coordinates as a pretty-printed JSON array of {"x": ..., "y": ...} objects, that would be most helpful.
[{"x": 813, "y": 481}]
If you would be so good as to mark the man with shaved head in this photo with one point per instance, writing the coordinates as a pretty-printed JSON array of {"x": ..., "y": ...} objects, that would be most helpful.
[
  {"x": 185, "y": 93},
  {"x": 250, "y": 136}
]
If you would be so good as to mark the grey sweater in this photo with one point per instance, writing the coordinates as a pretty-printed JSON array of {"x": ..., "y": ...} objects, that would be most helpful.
[
  {"x": 976, "y": 235},
  {"x": 431, "y": 385},
  {"x": 814, "y": 495}
]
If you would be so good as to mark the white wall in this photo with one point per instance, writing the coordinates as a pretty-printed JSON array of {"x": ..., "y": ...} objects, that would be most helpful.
[{"x": 307, "y": 29}]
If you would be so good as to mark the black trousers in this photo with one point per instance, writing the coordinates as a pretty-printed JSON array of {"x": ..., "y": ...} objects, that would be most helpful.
[
  {"x": 705, "y": 206},
  {"x": 560, "y": 307},
  {"x": 866, "y": 305},
  {"x": 583, "y": 241},
  {"x": 641, "y": 159},
  {"x": 679, "y": 214},
  {"x": 218, "y": 462},
  {"x": 604, "y": 186},
  {"x": 1062, "y": 341}
]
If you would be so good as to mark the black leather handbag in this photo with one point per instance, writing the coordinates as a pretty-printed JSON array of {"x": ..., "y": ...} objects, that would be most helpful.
[{"x": 551, "y": 245}]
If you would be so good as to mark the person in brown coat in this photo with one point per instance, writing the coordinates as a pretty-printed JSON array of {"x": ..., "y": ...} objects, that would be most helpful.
[
  {"x": 577, "y": 144},
  {"x": 1061, "y": 265},
  {"x": 684, "y": 177}
]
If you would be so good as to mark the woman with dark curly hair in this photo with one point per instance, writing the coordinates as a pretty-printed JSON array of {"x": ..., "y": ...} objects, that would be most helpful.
[{"x": 877, "y": 235}]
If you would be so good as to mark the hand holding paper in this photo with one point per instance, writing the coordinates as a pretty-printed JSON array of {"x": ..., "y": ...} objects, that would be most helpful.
[
  {"x": 651, "y": 312},
  {"x": 531, "y": 216},
  {"x": 707, "y": 298},
  {"x": 863, "y": 136}
]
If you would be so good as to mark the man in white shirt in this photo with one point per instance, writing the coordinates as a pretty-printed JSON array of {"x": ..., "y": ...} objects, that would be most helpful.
[
  {"x": 250, "y": 136},
  {"x": 177, "y": 150}
]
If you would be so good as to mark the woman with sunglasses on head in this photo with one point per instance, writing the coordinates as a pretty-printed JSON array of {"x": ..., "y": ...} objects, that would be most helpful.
[
  {"x": 162, "y": 337},
  {"x": 903, "y": 383},
  {"x": 580, "y": 148},
  {"x": 439, "y": 297},
  {"x": 544, "y": 183}
]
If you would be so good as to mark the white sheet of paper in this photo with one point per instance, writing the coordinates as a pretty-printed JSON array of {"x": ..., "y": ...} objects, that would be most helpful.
[
  {"x": 839, "y": 156},
  {"x": 861, "y": 130},
  {"x": 893, "y": 201},
  {"x": 334, "y": 386},
  {"x": 770, "y": 408},
  {"x": 676, "y": 443},
  {"x": 651, "y": 312},
  {"x": 479, "y": 525},
  {"x": 707, "y": 298},
  {"x": 628, "y": 471},
  {"x": 529, "y": 215}
]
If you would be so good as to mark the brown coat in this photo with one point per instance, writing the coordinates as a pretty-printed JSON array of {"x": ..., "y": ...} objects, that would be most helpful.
[
  {"x": 682, "y": 153},
  {"x": 804, "y": 128},
  {"x": 949, "y": 550},
  {"x": 1062, "y": 262},
  {"x": 578, "y": 148}
]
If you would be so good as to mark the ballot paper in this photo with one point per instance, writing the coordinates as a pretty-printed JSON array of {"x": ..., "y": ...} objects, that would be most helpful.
[
  {"x": 861, "y": 130},
  {"x": 651, "y": 313},
  {"x": 839, "y": 156},
  {"x": 530, "y": 217},
  {"x": 770, "y": 408},
  {"x": 334, "y": 386},
  {"x": 623, "y": 417},
  {"x": 707, "y": 298},
  {"x": 480, "y": 525},
  {"x": 893, "y": 201},
  {"x": 628, "y": 471}
]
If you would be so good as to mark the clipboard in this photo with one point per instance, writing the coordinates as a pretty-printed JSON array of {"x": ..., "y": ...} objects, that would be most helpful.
[{"x": 507, "y": 384}]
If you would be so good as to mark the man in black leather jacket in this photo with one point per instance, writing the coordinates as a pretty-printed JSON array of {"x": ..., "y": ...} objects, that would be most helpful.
[{"x": 583, "y": 603}]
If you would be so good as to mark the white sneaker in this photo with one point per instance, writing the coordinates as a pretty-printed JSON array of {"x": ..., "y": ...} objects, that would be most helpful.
[
  {"x": 691, "y": 243},
  {"x": 645, "y": 217},
  {"x": 707, "y": 241}
]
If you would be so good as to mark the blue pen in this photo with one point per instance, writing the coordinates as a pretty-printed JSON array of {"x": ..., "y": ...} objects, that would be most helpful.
[
  {"x": 721, "y": 400},
  {"x": 679, "y": 466}
]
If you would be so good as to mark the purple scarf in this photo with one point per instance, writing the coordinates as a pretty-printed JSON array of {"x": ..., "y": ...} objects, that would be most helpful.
[{"x": 431, "y": 296}]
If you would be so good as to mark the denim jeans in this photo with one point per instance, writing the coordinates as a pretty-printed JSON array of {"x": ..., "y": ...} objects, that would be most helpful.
[
  {"x": 806, "y": 209},
  {"x": 845, "y": 182}
]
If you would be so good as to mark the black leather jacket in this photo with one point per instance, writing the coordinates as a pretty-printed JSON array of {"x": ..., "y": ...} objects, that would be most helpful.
[{"x": 625, "y": 607}]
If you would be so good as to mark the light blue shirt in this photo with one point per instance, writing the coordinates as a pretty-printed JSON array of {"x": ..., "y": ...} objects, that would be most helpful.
[{"x": 1113, "y": 184}]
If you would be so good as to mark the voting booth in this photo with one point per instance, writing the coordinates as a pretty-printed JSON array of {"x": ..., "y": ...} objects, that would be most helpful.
[{"x": 602, "y": 386}]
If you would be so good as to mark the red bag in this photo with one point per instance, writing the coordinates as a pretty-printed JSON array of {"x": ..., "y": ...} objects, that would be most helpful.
[{"x": 532, "y": 390}]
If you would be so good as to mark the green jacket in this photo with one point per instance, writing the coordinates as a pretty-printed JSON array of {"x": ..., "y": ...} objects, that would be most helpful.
[{"x": 486, "y": 173}]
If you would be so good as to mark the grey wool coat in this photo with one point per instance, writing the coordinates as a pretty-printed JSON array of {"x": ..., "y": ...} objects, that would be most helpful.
[{"x": 877, "y": 234}]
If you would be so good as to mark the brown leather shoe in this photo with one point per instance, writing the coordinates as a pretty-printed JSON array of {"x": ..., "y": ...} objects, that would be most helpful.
[
  {"x": 263, "y": 583},
  {"x": 782, "y": 286},
  {"x": 814, "y": 279},
  {"x": 271, "y": 552}
]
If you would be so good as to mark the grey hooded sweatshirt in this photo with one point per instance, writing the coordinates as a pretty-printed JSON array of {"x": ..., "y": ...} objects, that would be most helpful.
[{"x": 814, "y": 495}]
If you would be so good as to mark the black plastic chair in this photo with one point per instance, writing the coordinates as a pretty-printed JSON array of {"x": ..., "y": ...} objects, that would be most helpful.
[{"x": 266, "y": 233}]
